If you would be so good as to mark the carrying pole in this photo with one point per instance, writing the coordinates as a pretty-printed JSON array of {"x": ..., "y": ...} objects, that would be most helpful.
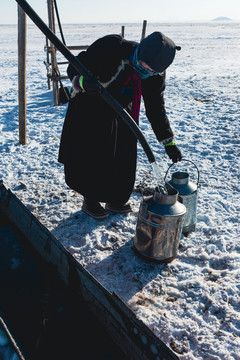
[
  {"x": 22, "y": 112},
  {"x": 85, "y": 72}
]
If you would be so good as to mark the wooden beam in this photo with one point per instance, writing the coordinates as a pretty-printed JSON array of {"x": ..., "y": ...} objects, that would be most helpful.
[
  {"x": 22, "y": 76},
  {"x": 73, "y": 47}
]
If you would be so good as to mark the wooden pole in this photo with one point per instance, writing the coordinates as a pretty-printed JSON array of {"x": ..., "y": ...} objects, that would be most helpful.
[
  {"x": 144, "y": 29},
  {"x": 48, "y": 79},
  {"x": 53, "y": 53},
  {"x": 123, "y": 29},
  {"x": 22, "y": 75}
]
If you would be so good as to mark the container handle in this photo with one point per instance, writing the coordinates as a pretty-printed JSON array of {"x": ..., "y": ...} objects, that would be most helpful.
[{"x": 181, "y": 161}]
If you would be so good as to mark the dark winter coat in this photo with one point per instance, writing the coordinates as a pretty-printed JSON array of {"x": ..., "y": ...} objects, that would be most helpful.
[{"x": 97, "y": 148}]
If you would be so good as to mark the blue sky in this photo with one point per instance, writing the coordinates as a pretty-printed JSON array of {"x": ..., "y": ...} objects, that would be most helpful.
[{"x": 79, "y": 11}]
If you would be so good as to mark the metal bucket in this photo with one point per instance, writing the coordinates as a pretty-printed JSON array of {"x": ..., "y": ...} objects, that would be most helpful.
[
  {"x": 159, "y": 226},
  {"x": 188, "y": 193}
]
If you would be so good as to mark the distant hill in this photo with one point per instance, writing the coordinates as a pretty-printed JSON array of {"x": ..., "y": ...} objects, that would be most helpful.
[{"x": 222, "y": 18}]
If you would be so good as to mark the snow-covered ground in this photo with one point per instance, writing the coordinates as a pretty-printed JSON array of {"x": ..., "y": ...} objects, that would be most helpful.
[{"x": 192, "y": 303}]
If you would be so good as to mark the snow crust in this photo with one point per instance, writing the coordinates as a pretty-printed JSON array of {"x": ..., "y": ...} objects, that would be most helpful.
[{"x": 192, "y": 303}]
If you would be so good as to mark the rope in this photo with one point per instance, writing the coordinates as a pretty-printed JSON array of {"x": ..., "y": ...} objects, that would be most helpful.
[{"x": 59, "y": 22}]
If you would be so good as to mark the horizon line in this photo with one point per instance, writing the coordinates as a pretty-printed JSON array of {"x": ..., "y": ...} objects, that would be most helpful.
[{"x": 140, "y": 22}]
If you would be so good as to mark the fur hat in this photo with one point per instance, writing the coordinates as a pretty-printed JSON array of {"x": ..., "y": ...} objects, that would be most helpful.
[{"x": 157, "y": 51}]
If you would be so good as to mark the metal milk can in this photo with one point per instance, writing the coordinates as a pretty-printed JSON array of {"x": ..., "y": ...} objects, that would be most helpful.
[
  {"x": 159, "y": 226},
  {"x": 188, "y": 193}
]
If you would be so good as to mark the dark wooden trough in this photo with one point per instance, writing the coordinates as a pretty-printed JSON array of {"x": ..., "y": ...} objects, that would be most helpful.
[{"x": 135, "y": 339}]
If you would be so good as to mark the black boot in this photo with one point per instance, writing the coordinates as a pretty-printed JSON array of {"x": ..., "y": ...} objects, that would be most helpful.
[
  {"x": 119, "y": 208},
  {"x": 94, "y": 209}
]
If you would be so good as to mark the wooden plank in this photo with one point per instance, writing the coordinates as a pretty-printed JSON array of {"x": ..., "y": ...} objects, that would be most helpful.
[
  {"x": 71, "y": 47},
  {"x": 132, "y": 335},
  {"x": 76, "y": 47}
]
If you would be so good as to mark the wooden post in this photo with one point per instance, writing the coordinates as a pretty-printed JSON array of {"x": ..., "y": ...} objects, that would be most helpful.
[
  {"x": 48, "y": 79},
  {"x": 22, "y": 75},
  {"x": 144, "y": 29},
  {"x": 53, "y": 53},
  {"x": 122, "y": 33}
]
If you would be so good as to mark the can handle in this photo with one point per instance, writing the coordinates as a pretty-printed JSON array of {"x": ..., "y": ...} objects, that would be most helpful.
[{"x": 188, "y": 161}]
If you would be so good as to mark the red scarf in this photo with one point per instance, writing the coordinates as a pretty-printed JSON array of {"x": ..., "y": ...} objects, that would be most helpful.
[{"x": 137, "y": 93}]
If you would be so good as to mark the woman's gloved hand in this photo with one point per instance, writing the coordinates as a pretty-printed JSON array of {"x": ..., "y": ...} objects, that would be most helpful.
[
  {"x": 81, "y": 84},
  {"x": 173, "y": 151}
]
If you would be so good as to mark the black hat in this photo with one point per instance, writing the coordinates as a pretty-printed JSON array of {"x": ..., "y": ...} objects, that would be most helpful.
[{"x": 157, "y": 51}]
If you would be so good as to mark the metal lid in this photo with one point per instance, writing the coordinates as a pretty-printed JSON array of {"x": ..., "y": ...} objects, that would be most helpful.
[
  {"x": 180, "y": 178},
  {"x": 167, "y": 199}
]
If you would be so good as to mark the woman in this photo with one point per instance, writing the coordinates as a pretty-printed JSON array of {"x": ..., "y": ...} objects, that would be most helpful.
[{"x": 97, "y": 148}]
